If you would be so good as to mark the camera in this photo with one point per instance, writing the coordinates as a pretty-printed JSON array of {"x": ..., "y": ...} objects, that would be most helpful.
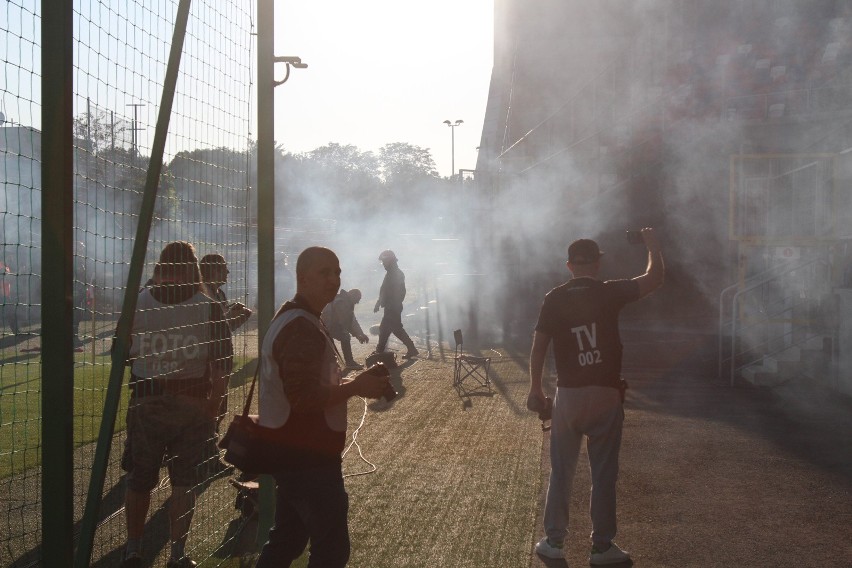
[
  {"x": 544, "y": 410},
  {"x": 379, "y": 369},
  {"x": 634, "y": 237}
]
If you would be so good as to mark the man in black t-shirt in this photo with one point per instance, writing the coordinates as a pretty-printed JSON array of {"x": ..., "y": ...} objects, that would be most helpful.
[{"x": 580, "y": 317}]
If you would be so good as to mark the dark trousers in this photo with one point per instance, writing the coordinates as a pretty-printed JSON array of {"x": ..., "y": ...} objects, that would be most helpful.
[
  {"x": 311, "y": 506},
  {"x": 392, "y": 323},
  {"x": 345, "y": 345}
]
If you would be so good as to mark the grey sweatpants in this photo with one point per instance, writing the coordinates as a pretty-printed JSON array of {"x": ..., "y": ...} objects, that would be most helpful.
[{"x": 597, "y": 414}]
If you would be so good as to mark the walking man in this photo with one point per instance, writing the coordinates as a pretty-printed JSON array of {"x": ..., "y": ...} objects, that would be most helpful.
[
  {"x": 391, "y": 295},
  {"x": 580, "y": 317}
]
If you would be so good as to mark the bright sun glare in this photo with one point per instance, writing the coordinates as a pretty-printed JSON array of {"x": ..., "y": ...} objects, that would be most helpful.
[{"x": 383, "y": 71}]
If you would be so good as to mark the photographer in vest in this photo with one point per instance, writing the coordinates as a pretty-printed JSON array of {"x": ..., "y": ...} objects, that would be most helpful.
[
  {"x": 181, "y": 354},
  {"x": 580, "y": 318},
  {"x": 301, "y": 393}
]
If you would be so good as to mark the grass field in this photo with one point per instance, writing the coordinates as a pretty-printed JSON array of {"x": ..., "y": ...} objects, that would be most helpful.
[{"x": 20, "y": 404}]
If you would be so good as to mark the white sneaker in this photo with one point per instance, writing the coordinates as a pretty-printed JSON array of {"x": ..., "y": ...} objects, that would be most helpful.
[
  {"x": 547, "y": 549},
  {"x": 612, "y": 555}
]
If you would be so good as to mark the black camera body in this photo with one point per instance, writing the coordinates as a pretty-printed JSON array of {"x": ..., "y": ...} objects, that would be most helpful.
[
  {"x": 380, "y": 369},
  {"x": 544, "y": 410}
]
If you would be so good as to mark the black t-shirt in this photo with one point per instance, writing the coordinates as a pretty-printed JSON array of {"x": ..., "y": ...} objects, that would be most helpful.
[{"x": 581, "y": 316}]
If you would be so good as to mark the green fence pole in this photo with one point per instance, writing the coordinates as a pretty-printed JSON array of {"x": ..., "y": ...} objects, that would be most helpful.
[
  {"x": 265, "y": 212},
  {"x": 134, "y": 278},
  {"x": 57, "y": 360}
]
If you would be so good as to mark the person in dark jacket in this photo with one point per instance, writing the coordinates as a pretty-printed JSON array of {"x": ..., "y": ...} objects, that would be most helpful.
[
  {"x": 391, "y": 295},
  {"x": 214, "y": 272},
  {"x": 8, "y": 300}
]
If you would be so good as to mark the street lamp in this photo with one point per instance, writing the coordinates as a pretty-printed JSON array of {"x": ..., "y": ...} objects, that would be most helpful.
[{"x": 452, "y": 126}]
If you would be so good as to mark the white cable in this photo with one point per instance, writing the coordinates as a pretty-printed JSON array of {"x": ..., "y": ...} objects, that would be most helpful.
[{"x": 356, "y": 444}]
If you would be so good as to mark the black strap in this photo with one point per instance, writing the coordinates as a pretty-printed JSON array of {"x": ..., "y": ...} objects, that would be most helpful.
[{"x": 251, "y": 390}]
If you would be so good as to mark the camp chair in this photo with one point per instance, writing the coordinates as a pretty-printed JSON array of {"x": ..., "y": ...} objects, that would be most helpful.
[{"x": 469, "y": 367}]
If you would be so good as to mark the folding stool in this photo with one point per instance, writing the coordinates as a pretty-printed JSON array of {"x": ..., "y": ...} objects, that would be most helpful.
[{"x": 469, "y": 368}]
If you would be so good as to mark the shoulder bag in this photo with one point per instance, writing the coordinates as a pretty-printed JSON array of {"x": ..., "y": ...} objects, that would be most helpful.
[{"x": 249, "y": 446}]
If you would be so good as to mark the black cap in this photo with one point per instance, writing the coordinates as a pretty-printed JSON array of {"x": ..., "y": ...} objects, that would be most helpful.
[{"x": 584, "y": 251}]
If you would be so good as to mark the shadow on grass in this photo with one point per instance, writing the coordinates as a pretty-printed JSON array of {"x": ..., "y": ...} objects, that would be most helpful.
[
  {"x": 156, "y": 534},
  {"x": 552, "y": 562},
  {"x": 239, "y": 540},
  {"x": 806, "y": 417},
  {"x": 155, "y": 539}
]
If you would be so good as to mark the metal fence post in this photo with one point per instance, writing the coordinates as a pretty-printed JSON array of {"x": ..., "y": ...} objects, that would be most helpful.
[
  {"x": 57, "y": 361},
  {"x": 265, "y": 211}
]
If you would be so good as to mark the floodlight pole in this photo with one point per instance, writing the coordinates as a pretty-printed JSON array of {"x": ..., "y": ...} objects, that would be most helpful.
[{"x": 452, "y": 126}]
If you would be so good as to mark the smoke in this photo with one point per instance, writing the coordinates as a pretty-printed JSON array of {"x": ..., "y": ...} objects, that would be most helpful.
[
  {"x": 609, "y": 116},
  {"x": 602, "y": 117}
]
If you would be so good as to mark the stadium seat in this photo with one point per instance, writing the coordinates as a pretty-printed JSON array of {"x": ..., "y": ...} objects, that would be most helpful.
[{"x": 469, "y": 369}]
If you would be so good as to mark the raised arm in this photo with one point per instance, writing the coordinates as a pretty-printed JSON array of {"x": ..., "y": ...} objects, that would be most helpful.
[{"x": 655, "y": 273}]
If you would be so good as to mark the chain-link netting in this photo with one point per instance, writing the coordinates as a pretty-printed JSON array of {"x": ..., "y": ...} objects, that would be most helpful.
[{"x": 121, "y": 53}]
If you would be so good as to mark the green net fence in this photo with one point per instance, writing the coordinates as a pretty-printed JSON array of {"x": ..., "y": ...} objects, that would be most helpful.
[{"x": 120, "y": 57}]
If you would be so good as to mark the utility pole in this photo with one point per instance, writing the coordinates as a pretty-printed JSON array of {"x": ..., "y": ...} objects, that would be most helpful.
[{"x": 134, "y": 140}]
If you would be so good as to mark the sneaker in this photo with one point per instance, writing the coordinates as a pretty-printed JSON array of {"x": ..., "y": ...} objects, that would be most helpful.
[
  {"x": 612, "y": 555},
  {"x": 547, "y": 549},
  {"x": 411, "y": 353},
  {"x": 131, "y": 561},
  {"x": 184, "y": 562}
]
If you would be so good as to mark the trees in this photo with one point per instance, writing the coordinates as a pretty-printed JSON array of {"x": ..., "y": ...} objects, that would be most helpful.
[
  {"x": 98, "y": 129},
  {"x": 405, "y": 164}
]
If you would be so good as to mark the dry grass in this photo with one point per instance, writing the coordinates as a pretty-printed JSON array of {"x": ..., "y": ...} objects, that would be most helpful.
[{"x": 456, "y": 485}]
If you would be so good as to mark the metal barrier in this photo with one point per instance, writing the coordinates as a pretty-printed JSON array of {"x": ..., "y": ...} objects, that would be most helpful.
[{"x": 772, "y": 314}]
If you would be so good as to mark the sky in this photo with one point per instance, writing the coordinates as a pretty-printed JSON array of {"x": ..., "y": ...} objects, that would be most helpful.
[
  {"x": 380, "y": 71},
  {"x": 383, "y": 71}
]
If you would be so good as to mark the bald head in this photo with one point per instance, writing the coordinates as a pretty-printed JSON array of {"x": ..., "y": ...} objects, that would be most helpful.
[
  {"x": 317, "y": 276},
  {"x": 310, "y": 257}
]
